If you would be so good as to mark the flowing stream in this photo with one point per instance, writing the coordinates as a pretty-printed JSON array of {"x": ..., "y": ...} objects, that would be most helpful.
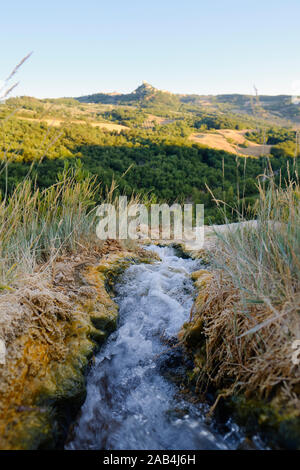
[{"x": 131, "y": 401}]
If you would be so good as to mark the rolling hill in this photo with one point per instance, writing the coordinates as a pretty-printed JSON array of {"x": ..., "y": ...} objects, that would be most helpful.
[{"x": 273, "y": 109}]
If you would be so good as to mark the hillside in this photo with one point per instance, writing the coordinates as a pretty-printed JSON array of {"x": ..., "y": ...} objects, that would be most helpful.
[
  {"x": 201, "y": 119},
  {"x": 273, "y": 109},
  {"x": 147, "y": 142},
  {"x": 145, "y": 95}
]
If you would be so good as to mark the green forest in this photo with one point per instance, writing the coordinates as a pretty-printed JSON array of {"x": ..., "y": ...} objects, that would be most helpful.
[{"x": 160, "y": 162}]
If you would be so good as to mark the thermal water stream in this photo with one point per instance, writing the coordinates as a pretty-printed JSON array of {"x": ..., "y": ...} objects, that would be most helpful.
[{"x": 130, "y": 402}]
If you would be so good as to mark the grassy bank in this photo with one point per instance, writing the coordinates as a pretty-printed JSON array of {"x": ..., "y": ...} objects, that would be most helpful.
[
  {"x": 55, "y": 305},
  {"x": 246, "y": 317},
  {"x": 37, "y": 226}
]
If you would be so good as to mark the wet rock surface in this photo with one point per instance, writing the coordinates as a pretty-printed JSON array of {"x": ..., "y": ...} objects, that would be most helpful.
[
  {"x": 134, "y": 390},
  {"x": 43, "y": 383}
]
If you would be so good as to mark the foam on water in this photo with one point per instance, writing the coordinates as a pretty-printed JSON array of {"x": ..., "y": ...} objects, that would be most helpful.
[{"x": 129, "y": 404}]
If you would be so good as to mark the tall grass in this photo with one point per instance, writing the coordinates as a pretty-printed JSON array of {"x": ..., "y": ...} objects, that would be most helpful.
[
  {"x": 250, "y": 311},
  {"x": 259, "y": 314},
  {"x": 36, "y": 226},
  {"x": 263, "y": 258}
]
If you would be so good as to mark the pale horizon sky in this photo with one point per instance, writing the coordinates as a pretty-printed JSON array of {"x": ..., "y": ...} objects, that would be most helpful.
[{"x": 194, "y": 46}]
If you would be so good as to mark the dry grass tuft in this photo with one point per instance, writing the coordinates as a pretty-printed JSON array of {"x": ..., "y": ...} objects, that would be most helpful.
[
  {"x": 248, "y": 308},
  {"x": 254, "y": 363}
]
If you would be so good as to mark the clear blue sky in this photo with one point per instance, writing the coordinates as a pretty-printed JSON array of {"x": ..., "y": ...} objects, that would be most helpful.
[{"x": 186, "y": 46}]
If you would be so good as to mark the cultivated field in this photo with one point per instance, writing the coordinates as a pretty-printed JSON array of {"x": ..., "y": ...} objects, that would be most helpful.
[
  {"x": 233, "y": 141},
  {"x": 58, "y": 122}
]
